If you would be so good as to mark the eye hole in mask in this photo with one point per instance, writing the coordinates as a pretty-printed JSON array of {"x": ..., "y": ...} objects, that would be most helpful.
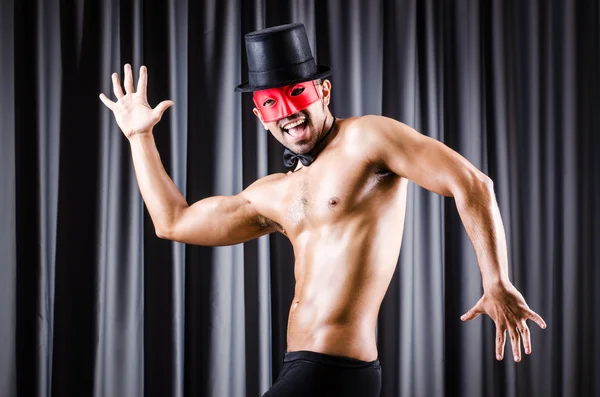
[
  {"x": 269, "y": 102},
  {"x": 297, "y": 91}
]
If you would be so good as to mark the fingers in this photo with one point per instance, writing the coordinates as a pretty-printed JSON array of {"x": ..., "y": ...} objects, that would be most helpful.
[
  {"x": 128, "y": 79},
  {"x": 109, "y": 104},
  {"x": 500, "y": 342},
  {"x": 518, "y": 333},
  {"x": 537, "y": 319},
  {"x": 142, "y": 81},
  {"x": 471, "y": 314},
  {"x": 524, "y": 331},
  {"x": 117, "y": 86},
  {"x": 515, "y": 341},
  {"x": 161, "y": 107},
  {"x": 129, "y": 88}
]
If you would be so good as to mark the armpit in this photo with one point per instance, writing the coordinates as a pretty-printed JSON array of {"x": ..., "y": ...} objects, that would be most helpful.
[{"x": 264, "y": 223}]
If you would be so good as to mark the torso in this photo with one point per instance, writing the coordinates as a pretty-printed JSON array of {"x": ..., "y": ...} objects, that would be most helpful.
[{"x": 344, "y": 216}]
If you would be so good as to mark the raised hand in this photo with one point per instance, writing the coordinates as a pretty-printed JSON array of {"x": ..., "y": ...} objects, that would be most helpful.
[
  {"x": 132, "y": 111},
  {"x": 507, "y": 307}
]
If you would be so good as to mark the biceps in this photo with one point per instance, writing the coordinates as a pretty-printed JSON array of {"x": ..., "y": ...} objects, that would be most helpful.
[
  {"x": 430, "y": 163},
  {"x": 436, "y": 167},
  {"x": 219, "y": 220}
]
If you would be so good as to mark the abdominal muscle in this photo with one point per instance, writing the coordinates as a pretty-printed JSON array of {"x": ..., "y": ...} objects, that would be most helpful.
[
  {"x": 341, "y": 278},
  {"x": 355, "y": 338}
]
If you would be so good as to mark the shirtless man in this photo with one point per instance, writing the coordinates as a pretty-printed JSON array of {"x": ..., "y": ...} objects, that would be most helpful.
[{"x": 342, "y": 208}]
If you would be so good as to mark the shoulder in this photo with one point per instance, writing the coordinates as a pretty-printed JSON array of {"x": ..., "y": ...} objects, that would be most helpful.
[
  {"x": 266, "y": 180},
  {"x": 370, "y": 129},
  {"x": 375, "y": 126},
  {"x": 265, "y": 197},
  {"x": 263, "y": 188},
  {"x": 372, "y": 134}
]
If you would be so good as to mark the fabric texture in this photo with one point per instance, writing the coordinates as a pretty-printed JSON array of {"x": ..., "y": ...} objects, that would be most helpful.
[
  {"x": 312, "y": 374},
  {"x": 92, "y": 303}
]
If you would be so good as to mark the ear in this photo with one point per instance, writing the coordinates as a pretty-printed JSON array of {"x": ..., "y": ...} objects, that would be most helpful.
[
  {"x": 326, "y": 87},
  {"x": 257, "y": 114}
]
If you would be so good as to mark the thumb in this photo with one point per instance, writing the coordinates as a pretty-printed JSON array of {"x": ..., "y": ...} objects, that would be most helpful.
[
  {"x": 471, "y": 314},
  {"x": 161, "y": 107}
]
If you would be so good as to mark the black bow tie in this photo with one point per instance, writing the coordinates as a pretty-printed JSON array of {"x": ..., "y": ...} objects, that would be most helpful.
[{"x": 290, "y": 159}]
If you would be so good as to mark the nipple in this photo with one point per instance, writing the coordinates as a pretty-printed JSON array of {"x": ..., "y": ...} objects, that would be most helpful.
[{"x": 333, "y": 201}]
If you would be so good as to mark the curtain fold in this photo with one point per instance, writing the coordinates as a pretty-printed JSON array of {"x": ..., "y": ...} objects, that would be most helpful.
[
  {"x": 119, "y": 323},
  {"x": 8, "y": 249},
  {"x": 257, "y": 260},
  {"x": 92, "y": 303}
]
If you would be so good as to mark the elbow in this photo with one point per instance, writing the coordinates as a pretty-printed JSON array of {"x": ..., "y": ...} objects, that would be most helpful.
[
  {"x": 485, "y": 182},
  {"x": 161, "y": 234},
  {"x": 166, "y": 228},
  {"x": 164, "y": 233},
  {"x": 476, "y": 187}
]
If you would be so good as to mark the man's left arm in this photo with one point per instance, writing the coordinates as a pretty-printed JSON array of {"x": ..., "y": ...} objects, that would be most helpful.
[{"x": 434, "y": 166}]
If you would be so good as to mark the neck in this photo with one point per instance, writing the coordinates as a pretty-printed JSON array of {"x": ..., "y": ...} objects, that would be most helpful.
[
  {"x": 326, "y": 131},
  {"x": 328, "y": 125}
]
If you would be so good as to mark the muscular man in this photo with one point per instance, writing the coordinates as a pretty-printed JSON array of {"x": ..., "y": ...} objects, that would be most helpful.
[{"x": 342, "y": 207}]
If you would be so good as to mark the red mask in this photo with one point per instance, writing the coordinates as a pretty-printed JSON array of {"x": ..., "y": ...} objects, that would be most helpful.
[{"x": 284, "y": 101}]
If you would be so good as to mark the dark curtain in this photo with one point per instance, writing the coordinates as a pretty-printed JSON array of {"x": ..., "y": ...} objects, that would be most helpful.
[{"x": 92, "y": 303}]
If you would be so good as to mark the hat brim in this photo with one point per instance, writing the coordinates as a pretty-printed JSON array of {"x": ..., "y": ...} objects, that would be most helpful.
[{"x": 323, "y": 71}]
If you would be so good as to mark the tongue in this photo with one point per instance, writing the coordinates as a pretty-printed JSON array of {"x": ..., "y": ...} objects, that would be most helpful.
[{"x": 295, "y": 131}]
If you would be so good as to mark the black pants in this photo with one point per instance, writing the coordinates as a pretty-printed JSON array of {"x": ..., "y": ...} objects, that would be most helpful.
[{"x": 306, "y": 373}]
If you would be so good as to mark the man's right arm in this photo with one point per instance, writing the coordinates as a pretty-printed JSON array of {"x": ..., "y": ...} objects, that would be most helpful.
[
  {"x": 212, "y": 221},
  {"x": 218, "y": 220}
]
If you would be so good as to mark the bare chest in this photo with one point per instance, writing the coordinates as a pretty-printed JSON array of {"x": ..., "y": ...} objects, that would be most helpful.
[
  {"x": 325, "y": 194},
  {"x": 315, "y": 200}
]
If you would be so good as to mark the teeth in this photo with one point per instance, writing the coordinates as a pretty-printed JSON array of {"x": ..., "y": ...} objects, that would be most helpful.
[{"x": 294, "y": 124}]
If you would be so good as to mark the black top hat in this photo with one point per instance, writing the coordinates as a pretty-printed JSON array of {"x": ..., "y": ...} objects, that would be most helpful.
[{"x": 279, "y": 56}]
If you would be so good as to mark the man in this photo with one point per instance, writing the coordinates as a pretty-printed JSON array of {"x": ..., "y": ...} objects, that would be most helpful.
[{"x": 342, "y": 208}]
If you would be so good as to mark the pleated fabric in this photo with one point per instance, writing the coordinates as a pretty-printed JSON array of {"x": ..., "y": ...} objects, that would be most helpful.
[{"x": 92, "y": 303}]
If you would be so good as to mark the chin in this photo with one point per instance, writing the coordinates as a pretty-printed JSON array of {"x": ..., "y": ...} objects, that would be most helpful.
[
  {"x": 302, "y": 147},
  {"x": 296, "y": 148},
  {"x": 308, "y": 143}
]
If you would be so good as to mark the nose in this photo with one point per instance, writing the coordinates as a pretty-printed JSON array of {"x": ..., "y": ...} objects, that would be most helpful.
[{"x": 286, "y": 109}]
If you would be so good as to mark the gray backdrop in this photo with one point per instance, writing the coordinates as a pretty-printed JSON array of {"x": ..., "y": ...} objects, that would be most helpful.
[{"x": 92, "y": 303}]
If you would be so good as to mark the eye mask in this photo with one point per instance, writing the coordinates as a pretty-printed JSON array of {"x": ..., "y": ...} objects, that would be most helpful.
[{"x": 280, "y": 102}]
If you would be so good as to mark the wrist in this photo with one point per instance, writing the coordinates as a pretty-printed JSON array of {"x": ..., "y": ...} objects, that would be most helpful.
[
  {"x": 495, "y": 283},
  {"x": 141, "y": 135}
]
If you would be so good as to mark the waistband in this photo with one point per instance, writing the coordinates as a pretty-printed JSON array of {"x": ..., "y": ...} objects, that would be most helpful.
[{"x": 327, "y": 359}]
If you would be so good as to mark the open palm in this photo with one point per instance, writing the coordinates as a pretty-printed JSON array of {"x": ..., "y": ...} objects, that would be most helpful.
[
  {"x": 132, "y": 111},
  {"x": 507, "y": 307}
]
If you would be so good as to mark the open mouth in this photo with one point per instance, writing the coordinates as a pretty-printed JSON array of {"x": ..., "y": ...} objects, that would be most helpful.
[{"x": 295, "y": 128}]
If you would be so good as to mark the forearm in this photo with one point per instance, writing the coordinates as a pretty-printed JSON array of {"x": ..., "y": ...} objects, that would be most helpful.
[
  {"x": 480, "y": 215},
  {"x": 162, "y": 198}
]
